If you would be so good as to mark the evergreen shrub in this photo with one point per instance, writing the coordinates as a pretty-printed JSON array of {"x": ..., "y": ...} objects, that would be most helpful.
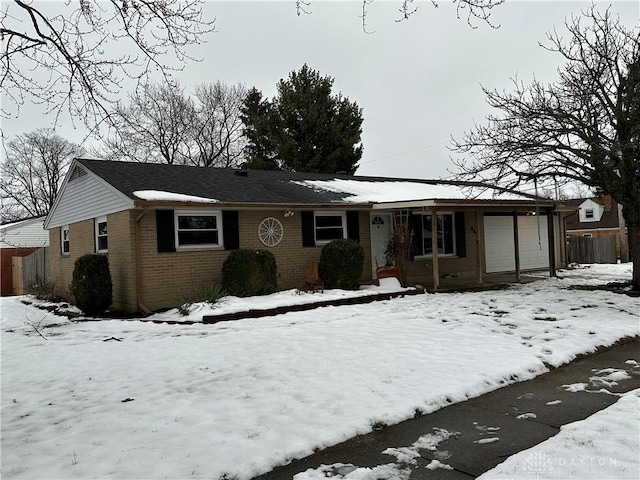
[
  {"x": 91, "y": 284},
  {"x": 341, "y": 264},
  {"x": 248, "y": 272}
]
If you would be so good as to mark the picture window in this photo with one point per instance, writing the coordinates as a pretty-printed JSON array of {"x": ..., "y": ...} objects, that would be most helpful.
[{"x": 198, "y": 229}]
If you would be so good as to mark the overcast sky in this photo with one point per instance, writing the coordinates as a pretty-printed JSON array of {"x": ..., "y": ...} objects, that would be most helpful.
[{"x": 418, "y": 81}]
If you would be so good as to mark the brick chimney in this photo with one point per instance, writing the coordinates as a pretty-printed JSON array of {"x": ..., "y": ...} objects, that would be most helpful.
[{"x": 607, "y": 202}]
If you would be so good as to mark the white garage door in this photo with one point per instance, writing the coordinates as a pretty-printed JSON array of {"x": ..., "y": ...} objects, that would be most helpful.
[{"x": 499, "y": 245}]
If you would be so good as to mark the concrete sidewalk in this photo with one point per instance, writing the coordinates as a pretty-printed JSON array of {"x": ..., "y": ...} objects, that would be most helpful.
[{"x": 493, "y": 415}]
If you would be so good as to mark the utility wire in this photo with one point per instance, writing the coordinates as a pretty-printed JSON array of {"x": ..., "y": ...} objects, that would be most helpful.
[{"x": 404, "y": 153}]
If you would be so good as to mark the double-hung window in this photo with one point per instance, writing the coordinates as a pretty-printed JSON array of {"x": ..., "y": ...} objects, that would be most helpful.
[
  {"x": 64, "y": 240},
  {"x": 589, "y": 214},
  {"x": 101, "y": 234},
  {"x": 198, "y": 229},
  {"x": 329, "y": 226},
  {"x": 445, "y": 235}
]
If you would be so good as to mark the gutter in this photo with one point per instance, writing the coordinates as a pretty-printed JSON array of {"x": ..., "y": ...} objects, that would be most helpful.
[
  {"x": 141, "y": 304},
  {"x": 254, "y": 206}
]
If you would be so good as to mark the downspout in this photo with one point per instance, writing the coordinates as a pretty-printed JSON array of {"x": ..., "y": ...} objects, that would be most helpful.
[{"x": 141, "y": 304}]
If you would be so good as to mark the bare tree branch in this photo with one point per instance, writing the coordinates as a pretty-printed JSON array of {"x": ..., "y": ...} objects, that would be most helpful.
[
  {"x": 584, "y": 127},
  {"x": 33, "y": 171},
  {"x": 162, "y": 124},
  {"x": 72, "y": 59}
]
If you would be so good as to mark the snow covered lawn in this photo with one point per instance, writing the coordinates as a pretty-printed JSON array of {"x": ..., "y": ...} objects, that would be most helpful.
[{"x": 133, "y": 399}]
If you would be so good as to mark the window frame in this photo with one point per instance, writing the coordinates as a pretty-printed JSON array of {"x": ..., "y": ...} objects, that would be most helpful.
[
  {"x": 589, "y": 214},
  {"x": 198, "y": 213},
  {"x": 66, "y": 252},
  {"x": 328, "y": 213},
  {"x": 423, "y": 217},
  {"x": 97, "y": 236}
]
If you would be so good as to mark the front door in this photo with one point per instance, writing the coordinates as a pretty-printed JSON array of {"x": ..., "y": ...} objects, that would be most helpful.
[{"x": 381, "y": 229}]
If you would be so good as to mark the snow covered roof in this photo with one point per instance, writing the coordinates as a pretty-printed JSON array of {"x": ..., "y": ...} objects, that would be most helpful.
[
  {"x": 176, "y": 183},
  {"x": 392, "y": 191},
  {"x": 156, "y": 195}
]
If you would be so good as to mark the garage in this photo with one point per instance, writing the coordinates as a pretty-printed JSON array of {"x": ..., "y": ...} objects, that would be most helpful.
[{"x": 500, "y": 247}]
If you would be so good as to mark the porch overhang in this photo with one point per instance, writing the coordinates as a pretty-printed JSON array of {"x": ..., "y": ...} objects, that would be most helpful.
[{"x": 476, "y": 204}]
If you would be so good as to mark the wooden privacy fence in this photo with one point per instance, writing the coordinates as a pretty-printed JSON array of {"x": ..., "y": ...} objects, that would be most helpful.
[
  {"x": 30, "y": 270},
  {"x": 592, "y": 250}
]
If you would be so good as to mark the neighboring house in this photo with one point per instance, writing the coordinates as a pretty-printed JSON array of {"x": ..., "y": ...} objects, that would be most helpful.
[
  {"x": 598, "y": 217},
  {"x": 19, "y": 239},
  {"x": 168, "y": 229}
]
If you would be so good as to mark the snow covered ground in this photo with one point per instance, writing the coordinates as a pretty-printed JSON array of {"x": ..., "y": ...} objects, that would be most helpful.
[
  {"x": 602, "y": 446},
  {"x": 133, "y": 399}
]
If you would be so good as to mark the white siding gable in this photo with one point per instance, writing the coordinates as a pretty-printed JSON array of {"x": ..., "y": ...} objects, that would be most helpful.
[
  {"x": 590, "y": 206},
  {"x": 83, "y": 197},
  {"x": 27, "y": 233}
]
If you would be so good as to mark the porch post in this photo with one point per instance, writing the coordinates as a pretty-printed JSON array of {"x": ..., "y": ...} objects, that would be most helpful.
[
  {"x": 552, "y": 244},
  {"x": 434, "y": 248},
  {"x": 479, "y": 244},
  {"x": 516, "y": 244}
]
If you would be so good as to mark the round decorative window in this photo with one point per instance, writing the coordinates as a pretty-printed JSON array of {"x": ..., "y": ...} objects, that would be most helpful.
[{"x": 270, "y": 231}]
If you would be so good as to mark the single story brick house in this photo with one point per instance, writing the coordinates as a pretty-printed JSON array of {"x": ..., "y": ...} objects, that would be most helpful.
[{"x": 168, "y": 229}]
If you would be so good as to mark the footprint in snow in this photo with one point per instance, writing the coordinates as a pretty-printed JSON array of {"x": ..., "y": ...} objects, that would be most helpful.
[
  {"x": 526, "y": 396},
  {"x": 484, "y": 430}
]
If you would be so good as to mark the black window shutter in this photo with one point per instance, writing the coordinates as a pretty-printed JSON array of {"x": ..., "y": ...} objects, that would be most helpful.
[
  {"x": 165, "y": 231},
  {"x": 308, "y": 228},
  {"x": 230, "y": 229},
  {"x": 415, "y": 227},
  {"x": 353, "y": 225},
  {"x": 461, "y": 240}
]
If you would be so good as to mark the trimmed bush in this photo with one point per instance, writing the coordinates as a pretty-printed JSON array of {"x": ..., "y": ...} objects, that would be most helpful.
[
  {"x": 91, "y": 284},
  {"x": 249, "y": 272},
  {"x": 341, "y": 263}
]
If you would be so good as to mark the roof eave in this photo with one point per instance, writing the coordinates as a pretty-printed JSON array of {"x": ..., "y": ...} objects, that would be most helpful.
[
  {"x": 524, "y": 204},
  {"x": 253, "y": 206}
]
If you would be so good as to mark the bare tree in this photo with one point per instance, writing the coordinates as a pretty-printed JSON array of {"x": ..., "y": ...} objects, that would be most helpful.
[
  {"x": 162, "y": 124},
  {"x": 154, "y": 127},
  {"x": 217, "y": 132},
  {"x": 33, "y": 171},
  {"x": 585, "y": 127},
  {"x": 70, "y": 55}
]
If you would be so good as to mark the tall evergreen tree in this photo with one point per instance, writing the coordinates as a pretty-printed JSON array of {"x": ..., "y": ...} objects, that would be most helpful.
[
  {"x": 254, "y": 113},
  {"x": 304, "y": 128}
]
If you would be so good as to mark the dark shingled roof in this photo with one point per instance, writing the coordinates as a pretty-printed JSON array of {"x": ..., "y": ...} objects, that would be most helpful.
[
  {"x": 609, "y": 217},
  {"x": 229, "y": 185}
]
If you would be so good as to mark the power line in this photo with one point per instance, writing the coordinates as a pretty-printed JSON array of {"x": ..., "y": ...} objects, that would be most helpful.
[{"x": 404, "y": 153}]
